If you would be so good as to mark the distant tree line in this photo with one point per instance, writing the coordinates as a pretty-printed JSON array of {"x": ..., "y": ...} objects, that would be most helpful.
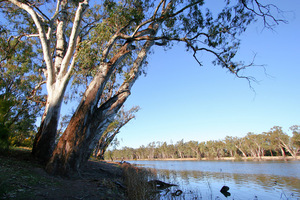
[{"x": 272, "y": 143}]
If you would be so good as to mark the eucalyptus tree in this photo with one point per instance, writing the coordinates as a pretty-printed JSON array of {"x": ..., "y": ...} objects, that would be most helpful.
[
  {"x": 141, "y": 152},
  {"x": 230, "y": 146},
  {"x": 151, "y": 150},
  {"x": 194, "y": 146},
  {"x": 239, "y": 143},
  {"x": 163, "y": 150},
  {"x": 281, "y": 140},
  {"x": 115, "y": 38},
  {"x": 202, "y": 149},
  {"x": 295, "y": 140},
  {"x": 122, "y": 118},
  {"x": 256, "y": 144},
  {"x": 171, "y": 151}
]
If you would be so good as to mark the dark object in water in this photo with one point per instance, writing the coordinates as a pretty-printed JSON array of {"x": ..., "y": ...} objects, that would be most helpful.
[
  {"x": 177, "y": 193},
  {"x": 160, "y": 185},
  {"x": 224, "y": 191}
]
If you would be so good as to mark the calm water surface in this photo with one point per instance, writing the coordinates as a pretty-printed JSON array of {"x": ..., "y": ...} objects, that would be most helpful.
[{"x": 246, "y": 180}]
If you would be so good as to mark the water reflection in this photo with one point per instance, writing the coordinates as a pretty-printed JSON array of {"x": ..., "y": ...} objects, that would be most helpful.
[
  {"x": 241, "y": 185},
  {"x": 207, "y": 184}
]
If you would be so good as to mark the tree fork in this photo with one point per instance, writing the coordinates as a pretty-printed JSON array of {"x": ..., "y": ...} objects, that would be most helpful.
[{"x": 87, "y": 124}]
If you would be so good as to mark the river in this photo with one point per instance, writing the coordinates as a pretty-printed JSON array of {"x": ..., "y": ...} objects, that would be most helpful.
[{"x": 251, "y": 180}]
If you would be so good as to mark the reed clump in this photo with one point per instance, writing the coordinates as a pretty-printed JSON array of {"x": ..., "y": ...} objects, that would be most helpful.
[{"x": 136, "y": 181}]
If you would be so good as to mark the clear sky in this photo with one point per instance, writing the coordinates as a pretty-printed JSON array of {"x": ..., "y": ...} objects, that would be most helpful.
[{"x": 181, "y": 100}]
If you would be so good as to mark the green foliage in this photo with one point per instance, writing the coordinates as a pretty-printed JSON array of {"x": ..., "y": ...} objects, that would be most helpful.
[
  {"x": 17, "y": 124},
  {"x": 18, "y": 79},
  {"x": 4, "y": 136},
  {"x": 111, "y": 17},
  {"x": 252, "y": 145},
  {"x": 4, "y": 131},
  {"x": 296, "y": 136}
]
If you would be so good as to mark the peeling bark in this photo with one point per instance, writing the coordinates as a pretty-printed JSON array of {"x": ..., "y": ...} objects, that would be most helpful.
[
  {"x": 74, "y": 147},
  {"x": 89, "y": 122}
]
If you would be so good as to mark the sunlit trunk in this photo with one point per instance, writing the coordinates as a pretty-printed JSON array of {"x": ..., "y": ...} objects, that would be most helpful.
[
  {"x": 85, "y": 128},
  {"x": 45, "y": 139},
  {"x": 282, "y": 152},
  {"x": 73, "y": 146}
]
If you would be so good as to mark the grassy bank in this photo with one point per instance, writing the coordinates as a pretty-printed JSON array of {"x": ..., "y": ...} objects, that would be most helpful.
[{"x": 21, "y": 177}]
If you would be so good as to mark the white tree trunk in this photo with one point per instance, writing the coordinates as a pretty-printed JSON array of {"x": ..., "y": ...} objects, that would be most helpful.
[{"x": 57, "y": 74}]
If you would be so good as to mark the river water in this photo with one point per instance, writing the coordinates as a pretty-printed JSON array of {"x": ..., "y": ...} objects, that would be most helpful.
[{"x": 246, "y": 179}]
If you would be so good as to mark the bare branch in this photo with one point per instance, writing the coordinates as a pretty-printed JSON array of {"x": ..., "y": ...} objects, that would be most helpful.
[
  {"x": 264, "y": 11},
  {"x": 74, "y": 33},
  {"x": 52, "y": 20},
  {"x": 73, "y": 61},
  {"x": 31, "y": 35}
]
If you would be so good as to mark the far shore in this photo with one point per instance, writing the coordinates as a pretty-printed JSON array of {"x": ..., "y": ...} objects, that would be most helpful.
[{"x": 263, "y": 158}]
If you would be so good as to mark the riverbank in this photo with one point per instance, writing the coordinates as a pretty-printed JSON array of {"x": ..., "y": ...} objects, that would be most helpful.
[
  {"x": 22, "y": 177},
  {"x": 263, "y": 158}
]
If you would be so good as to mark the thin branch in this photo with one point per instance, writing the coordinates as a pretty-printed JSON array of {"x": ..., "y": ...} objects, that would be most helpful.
[
  {"x": 40, "y": 14},
  {"x": 184, "y": 8},
  {"x": 264, "y": 14},
  {"x": 73, "y": 60},
  {"x": 109, "y": 45},
  {"x": 32, "y": 35},
  {"x": 149, "y": 20},
  {"x": 33, "y": 92},
  {"x": 11, "y": 48},
  {"x": 52, "y": 20}
]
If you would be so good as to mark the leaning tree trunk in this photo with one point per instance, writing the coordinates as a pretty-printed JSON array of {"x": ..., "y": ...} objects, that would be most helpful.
[
  {"x": 73, "y": 147},
  {"x": 107, "y": 138},
  {"x": 240, "y": 149},
  {"x": 79, "y": 139},
  {"x": 103, "y": 145},
  {"x": 282, "y": 151},
  {"x": 89, "y": 122},
  {"x": 289, "y": 149}
]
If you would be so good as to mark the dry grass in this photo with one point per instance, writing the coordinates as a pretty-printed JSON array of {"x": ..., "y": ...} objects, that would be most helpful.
[{"x": 136, "y": 181}]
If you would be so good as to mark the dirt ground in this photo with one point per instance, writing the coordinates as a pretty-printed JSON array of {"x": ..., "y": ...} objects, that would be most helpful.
[
  {"x": 23, "y": 178},
  {"x": 99, "y": 180}
]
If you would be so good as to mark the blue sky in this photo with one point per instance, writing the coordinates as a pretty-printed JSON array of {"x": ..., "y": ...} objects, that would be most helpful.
[{"x": 181, "y": 100}]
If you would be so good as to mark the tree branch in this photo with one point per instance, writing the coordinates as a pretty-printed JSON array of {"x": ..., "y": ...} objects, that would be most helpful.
[
  {"x": 33, "y": 92},
  {"x": 52, "y": 20},
  {"x": 74, "y": 33},
  {"x": 264, "y": 11},
  {"x": 42, "y": 36}
]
